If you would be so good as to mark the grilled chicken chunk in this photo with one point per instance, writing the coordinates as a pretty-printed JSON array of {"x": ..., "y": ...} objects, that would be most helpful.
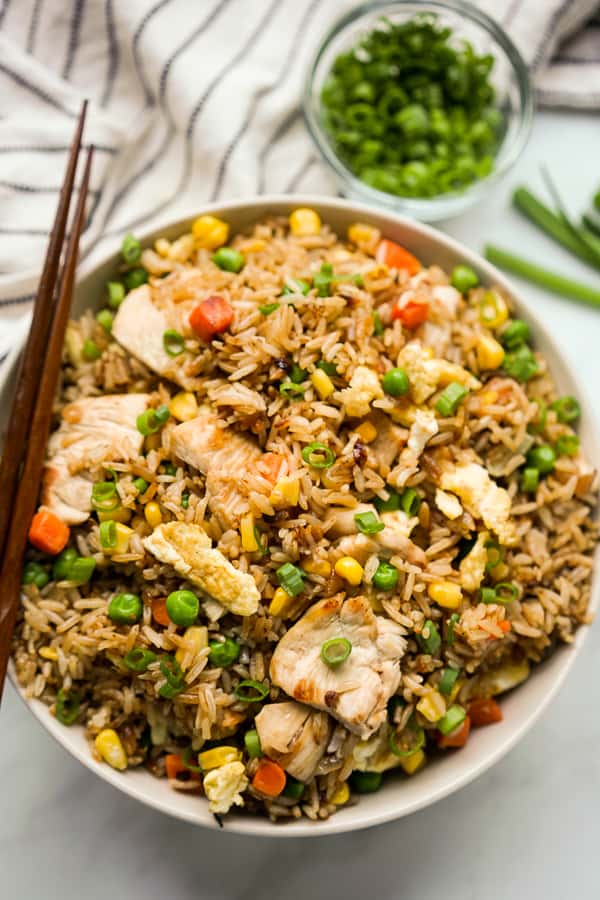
[
  {"x": 94, "y": 430},
  {"x": 224, "y": 456},
  {"x": 355, "y": 692},
  {"x": 139, "y": 326},
  {"x": 394, "y": 538},
  {"x": 188, "y": 549},
  {"x": 294, "y": 735},
  {"x": 389, "y": 441}
]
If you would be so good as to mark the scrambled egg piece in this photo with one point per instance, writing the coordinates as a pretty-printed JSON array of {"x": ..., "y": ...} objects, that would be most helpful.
[
  {"x": 472, "y": 567},
  {"x": 422, "y": 430},
  {"x": 188, "y": 549},
  {"x": 224, "y": 786},
  {"x": 448, "y": 504},
  {"x": 426, "y": 375},
  {"x": 482, "y": 497},
  {"x": 364, "y": 387}
]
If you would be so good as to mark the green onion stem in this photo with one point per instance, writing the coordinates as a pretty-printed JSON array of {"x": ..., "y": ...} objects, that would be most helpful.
[{"x": 552, "y": 224}]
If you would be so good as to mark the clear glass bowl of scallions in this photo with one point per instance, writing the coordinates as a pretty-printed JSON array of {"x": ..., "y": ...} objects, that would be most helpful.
[{"x": 418, "y": 107}]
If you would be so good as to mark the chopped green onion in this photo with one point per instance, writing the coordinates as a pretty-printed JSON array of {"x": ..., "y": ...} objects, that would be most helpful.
[
  {"x": 251, "y": 691},
  {"x": 385, "y": 577},
  {"x": 291, "y": 579},
  {"x": 520, "y": 364},
  {"x": 296, "y": 286},
  {"x": 289, "y": 389},
  {"x": 491, "y": 307},
  {"x": 542, "y": 458},
  {"x": 267, "y": 308},
  {"x": 105, "y": 496},
  {"x": 495, "y": 555},
  {"x": 450, "y": 398},
  {"x": 539, "y": 424},
  {"x": 252, "y": 744},
  {"x": 116, "y": 294},
  {"x": 488, "y": 595},
  {"x": 328, "y": 367},
  {"x": 410, "y": 502},
  {"x": 323, "y": 279},
  {"x": 68, "y": 704},
  {"x": 105, "y": 318},
  {"x": 108, "y": 534},
  {"x": 224, "y": 653},
  {"x": 185, "y": 500},
  {"x": 318, "y": 455},
  {"x": 173, "y": 342},
  {"x": 390, "y": 505},
  {"x": 91, "y": 351},
  {"x": 378, "y": 328},
  {"x": 454, "y": 717},
  {"x": 186, "y": 758},
  {"x": 228, "y": 259},
  {"x": 464, "y": 278},
  {"x": 81, "y": 569},
  {"x": 567, "y": 445},
  {"x": 35, "y": 573},
  {"x": 152, "y": 420},
  {"x": 366, "y": 782},
  {"x": 448, "y": 680},
  {"x": 567, "y": 409},
  {"x": 135, "y": 278},
  {"x": 138, "y": 659},
  {"x": 368, "y": 523},
  {"x": 141, "y": 485},
  {"x": 454, "y": 618},
  {"x": 530, "y": 480},
  {"x": 168, "y": 468},
  {"x": 429, "y": 639},
  {"x": 409, "y": 741},
  {"x": 298, "y": 375},
  {"x": 263, "y": 547},
  {"x": 131, "y": 249},
  {"x": 172, "y": 672},
  {"x": 506, "y": 592},
  {"x": 516, "y": 333},
  {"x": 62, "y": 564},
  {"x": 293, "y": 788},
  {"x": 395, "y": 382},
  {"x": 335, "y": 651}
]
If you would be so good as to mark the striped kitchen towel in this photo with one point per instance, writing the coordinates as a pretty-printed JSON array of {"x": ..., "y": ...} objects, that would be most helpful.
[{"x": 193, "y": 100}]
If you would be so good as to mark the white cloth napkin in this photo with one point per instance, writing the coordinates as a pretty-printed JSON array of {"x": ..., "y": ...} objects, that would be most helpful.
[{"x": 193, "y": 100}]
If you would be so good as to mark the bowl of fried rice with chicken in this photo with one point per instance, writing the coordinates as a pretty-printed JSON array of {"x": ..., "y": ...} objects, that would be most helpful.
[{"x": 316, "y": 529}]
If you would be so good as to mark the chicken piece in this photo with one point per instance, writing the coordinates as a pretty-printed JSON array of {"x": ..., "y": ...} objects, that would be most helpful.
[
  {"x": 482, "y": 497},
  {"x": 224, "y": 787},
  {"x": 374, "y": 754},
  {"x": 139, "y": 326},
  {"x": 586, "y": 475},
  {"x": 426, "y": 374},
  {"x": 394, "y": 537},
  {"x": 188, "y": 549},
  {"x": 472, "y": 566},
  {"x": 224, "y": 456},
  {"x": 294, "y": 735},
  {"x": 422, "y": 430},
  {"x": 364, "y": 387},
  {"x": 355, "y": 692},
  {"x": 389, "y": 441},
  {"x": 448, "y": 504},
  {"x": 445, "y": 302},
  {"x": 94, "y": 430}
]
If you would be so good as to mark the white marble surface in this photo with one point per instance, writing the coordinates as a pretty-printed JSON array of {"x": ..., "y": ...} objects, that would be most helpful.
[{"x": 528, "y": 828}]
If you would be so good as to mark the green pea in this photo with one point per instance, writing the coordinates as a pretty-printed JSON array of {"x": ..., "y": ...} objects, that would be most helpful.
[
  {"x": 35, "y": 573},
  {"x": 366, "y": 782},
  {"x": 116, "y": 293},
  {"x": 62, "y": 564},
  {"x": 105, "y": 318},
  {"x": 183, "y": 608},
  {"x": 542, "y": 458},
  {"x": 91, "y": 351},
  {"x": 125, "y": 609},
  {"x": 395, "y": 382},
  {"x": 464, "y": 278},
  {"x": 141, "y": 485},
  {"x": 228, "y": 259},
  {"x": 293, "y": 788},
  {"x": 135, "y": 278},
  {"x": 515, "y": 334},
  {"x": 223, "y": 653},
  {"x": 385, "y": 577},
  {"x": 131, "y": 249}
]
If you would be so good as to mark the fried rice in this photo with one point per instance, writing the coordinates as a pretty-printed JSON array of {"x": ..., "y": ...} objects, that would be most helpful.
[{"x": 353, "y": 506}]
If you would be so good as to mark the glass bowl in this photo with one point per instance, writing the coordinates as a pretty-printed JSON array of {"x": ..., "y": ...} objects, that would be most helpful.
[{"x": 509, "y": 77}]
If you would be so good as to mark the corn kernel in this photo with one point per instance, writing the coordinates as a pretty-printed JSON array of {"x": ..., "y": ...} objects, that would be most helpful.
[
  {"x": 405, "y": 415},
  {"x": 210, "y": 232},
  {"x": 456, "y": 689},
  {"x": 428, "y": 352},
  {"x": 249, "y": 542},
  {"x": 349, "y": 569},
  {"x": 196, "y": 639},
  {"x": 152, "y": 514},
  {"x": 252, "y": 245},
  {"x": 48, "y": 653},
  {"x": 181, "y": 249},
  {"x": 366, "y": 237},
  {"x": 109, "y": 746},
  {"x": 281, "y": 603},
  {"x": 500, "y": 572},
  {"x": 414, "y": 762},
  {"x": 286, "y": 492},
  {"x": 162, "y": 247},
  {"x": 322, "y": 383},
  {"x": 432, "y": 706},
  {"x": 304, "y": 222},
  {"x": 366, "y": 432},
  {"x": 488, "y": 398},
  {"x": 341, "y": 795},
  {"x": 218, "y": 756},
  {"x": 490, "y": 354},
  {"x": 184, "y": 406},
  {"x": 120, "y": 514},
  {"x": 446, "y": 594},
  {"x": 122, "y": 542},
  {"x": 317, "y": 567}
]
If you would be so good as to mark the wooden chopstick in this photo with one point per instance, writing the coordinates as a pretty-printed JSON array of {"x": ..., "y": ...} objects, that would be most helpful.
[
  {"x": 30, "y": 364},
  {"x": 26, "y": 496}
]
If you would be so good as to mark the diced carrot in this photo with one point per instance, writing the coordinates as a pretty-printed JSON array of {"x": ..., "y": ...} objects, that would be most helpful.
[
  {"x": 393, "y": 255},
  {"x": 484, "y": 712},
  {"x": 271, "y": 466},
  {"x": 213, "y": 316},
  {"x": 411, "y": 314},
  {"x": 504, "y": 626},
  {"x": 48, "y": 533},
  {"x": 175, "y": 766},
  {"x": 456, "y": 738},
  {"x": 159, "y": 611},
  {"x": 269, "y": 778}
]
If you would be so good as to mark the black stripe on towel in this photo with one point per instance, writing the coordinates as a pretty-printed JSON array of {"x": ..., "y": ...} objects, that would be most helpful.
[
  {"x": 135, "y": 47},
  {"x": 113, "y": 53},
  {"x": 38, "y": 92},
  {"x": 33, "y": 25},
  {"x": 74, "y": 31}
]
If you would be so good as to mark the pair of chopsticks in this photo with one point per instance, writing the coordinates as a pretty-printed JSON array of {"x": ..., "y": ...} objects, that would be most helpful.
[{"x": 30, "y": 417}]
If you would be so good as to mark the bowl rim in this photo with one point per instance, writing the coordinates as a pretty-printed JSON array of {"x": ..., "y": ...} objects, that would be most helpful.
[
  {"x": 442, "y": 205},
  {"x": 258, "y": 206}
]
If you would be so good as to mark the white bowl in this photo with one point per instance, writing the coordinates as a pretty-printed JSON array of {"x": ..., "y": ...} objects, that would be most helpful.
[{"x": 521, "y": 708}]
